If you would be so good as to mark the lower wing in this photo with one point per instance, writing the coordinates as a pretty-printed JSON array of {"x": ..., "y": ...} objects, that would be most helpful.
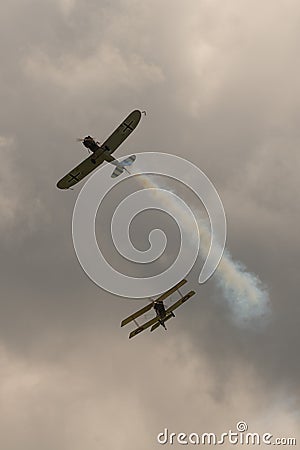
[{"x": 143, "y": 327}]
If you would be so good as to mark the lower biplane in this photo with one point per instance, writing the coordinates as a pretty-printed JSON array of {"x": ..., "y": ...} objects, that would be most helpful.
[
  {"x": 103, "y": 152},
  {"x": 162, "y": 314}
]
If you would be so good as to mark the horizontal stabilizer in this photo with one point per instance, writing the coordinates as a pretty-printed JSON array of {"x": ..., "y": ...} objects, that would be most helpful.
[
  {"x": 121, "y": 165},
  {"x": 118, "y": 170},
  {"x": 128, "y": 161},
  {"x": 156, "y": 325}
]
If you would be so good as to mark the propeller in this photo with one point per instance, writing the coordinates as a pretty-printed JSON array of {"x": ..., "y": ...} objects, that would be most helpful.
[
  {"x": 82, "y": 139},
  {"x": 87, "y": 138}
]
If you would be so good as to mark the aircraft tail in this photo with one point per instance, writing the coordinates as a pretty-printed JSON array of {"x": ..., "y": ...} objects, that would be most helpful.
[{"x": 121, "y": 165}]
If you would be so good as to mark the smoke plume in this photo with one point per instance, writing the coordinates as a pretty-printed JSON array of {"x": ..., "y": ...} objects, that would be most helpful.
[{"x": 245, "y": 294}]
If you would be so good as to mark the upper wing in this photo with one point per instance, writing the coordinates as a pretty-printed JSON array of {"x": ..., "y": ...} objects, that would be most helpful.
[
  {"x": 180, "y": 301},
  {"x": 136, "y": 314},
  {"x": 170, "y": 291},
  {"x": 143, "y": 327},
  {"x": 81, "y": 171},
  {"x": 122, "y": 132}
]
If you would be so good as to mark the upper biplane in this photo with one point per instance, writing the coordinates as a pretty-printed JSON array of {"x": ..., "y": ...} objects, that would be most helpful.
[
  {"x": 162, "y": 314},
  {"x": 103, "y": 152}
]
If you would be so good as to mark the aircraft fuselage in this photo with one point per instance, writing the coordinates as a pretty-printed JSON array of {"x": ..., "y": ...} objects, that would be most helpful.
[
  {"x": 90, "y": 143},
  {"x": 160, "y": 310},
  {"x": 93, "y": 146}
]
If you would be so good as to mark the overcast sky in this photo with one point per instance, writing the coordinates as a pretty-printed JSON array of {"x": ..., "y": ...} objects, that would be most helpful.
[{"x": 220, "y": 84}]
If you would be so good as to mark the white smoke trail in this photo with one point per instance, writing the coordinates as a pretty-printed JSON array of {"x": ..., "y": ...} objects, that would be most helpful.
[{"x": 246, "y": 296}]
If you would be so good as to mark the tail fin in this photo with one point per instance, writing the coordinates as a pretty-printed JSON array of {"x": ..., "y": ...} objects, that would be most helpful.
[{"x": 121, "y": 165}]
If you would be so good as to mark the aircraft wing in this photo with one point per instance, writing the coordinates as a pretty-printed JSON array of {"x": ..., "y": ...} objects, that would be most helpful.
[
  {"x": 180, "y": 301},
  {"x": 80, "y": 171},
  {"x": 110, "y": 145},
  {"x": 170, "y": 291},
  {"x": 148, "y": 307},
  {"x": 136, "y": 314},
  {"x": 143, "y": 327},
  {"x": 122, "y": 132},
  {"x": 154, "y": 321}
]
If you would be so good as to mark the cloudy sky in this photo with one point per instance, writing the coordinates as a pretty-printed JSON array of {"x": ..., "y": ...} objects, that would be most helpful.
[{"x": 220, "y": 84}]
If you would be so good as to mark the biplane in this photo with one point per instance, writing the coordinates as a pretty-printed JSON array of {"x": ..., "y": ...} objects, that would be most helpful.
[
  {"x": 103, "y": 152},
  {"x": 162, "y": 314}
]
